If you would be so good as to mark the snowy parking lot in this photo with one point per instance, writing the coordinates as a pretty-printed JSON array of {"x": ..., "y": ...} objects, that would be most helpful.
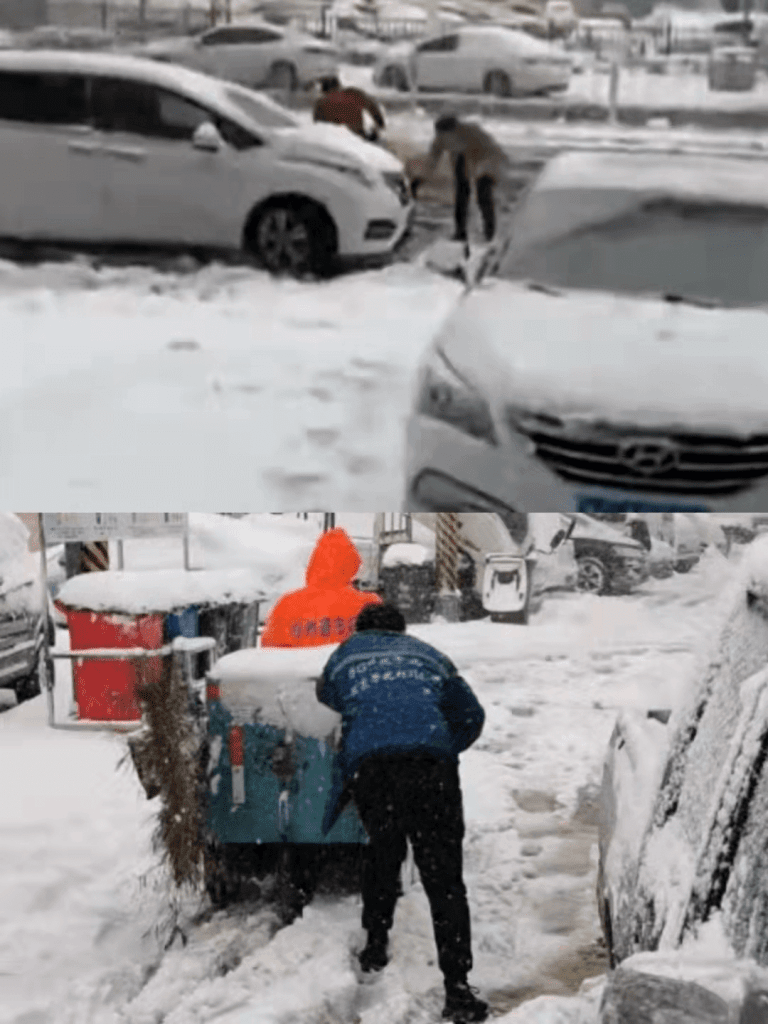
[{"x": 87, "y": 935}]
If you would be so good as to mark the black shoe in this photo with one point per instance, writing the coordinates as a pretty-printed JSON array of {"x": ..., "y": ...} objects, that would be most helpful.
[
  {"x": 374, "y": 956},
  {"x": 462, "y": 1004}
]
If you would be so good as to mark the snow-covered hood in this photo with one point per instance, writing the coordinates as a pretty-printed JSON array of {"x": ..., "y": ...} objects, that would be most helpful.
[
  {"x": 587, "y": 528},
  {"x": 332, "y": 142},
  {"x": 639, "y": 361}
]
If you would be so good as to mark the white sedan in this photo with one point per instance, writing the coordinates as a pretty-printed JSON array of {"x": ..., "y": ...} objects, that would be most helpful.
[
  {"x": 253, "y": 53},
  {"x": 106, "y": 148},
  {"x": 613, "y": 359},
  {"x": 476, "y": 58}
]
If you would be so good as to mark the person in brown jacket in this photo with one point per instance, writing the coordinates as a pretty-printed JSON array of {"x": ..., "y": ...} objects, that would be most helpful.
[
  {"x": 476, "y": 157},
  {"x": 345, "y": 105}
]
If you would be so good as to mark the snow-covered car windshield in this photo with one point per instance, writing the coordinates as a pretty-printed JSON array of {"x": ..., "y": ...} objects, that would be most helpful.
[
  {"x": 680, "y": 249},
  {"x": 261, "y": 111}
]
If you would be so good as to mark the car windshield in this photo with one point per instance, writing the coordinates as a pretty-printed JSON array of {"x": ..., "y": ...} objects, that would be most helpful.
[
  {"x": 260, "y": 110},
  {"x": 681, "y": 249}
]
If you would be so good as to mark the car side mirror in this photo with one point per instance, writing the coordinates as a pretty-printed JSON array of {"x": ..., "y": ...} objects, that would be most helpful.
[
  {"x": 207, "y": 138},
  {"x": 557, "y": 540}
]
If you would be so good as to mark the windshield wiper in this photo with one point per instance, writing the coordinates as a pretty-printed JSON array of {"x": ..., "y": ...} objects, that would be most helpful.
[
  {"x": 539, "y": 286},
  {"x": 690, "y": 300}
]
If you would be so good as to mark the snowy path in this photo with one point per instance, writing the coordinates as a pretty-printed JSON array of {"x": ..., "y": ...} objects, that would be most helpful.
[
  {"x": 86, "y": 912},
  {"x": 207, "y": 389}
]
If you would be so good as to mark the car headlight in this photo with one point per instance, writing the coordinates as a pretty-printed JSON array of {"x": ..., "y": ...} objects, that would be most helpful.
[
  {"x": 350, "y": 170},
  {"x": 396, "y": 181},
  {"x": 445, "y": 395}
]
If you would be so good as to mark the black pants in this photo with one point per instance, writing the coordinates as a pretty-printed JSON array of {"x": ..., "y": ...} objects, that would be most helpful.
[
  {"x": 484, "y": 200},
  {"x": 409, "y": 797}
]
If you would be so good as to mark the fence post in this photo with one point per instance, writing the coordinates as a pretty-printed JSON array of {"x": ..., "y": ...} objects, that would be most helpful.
[
  {"x": 613, "y": 92},
  {"x": 448, "y": 603}
]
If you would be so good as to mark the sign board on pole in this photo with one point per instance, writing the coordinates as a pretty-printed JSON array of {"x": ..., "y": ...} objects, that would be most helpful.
[{"x": 87, "y": 526}]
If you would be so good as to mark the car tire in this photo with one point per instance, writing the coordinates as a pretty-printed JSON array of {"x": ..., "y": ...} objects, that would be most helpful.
[
  {"x": 393, "y": 77},
  {"x": 282, "y": 75},
  {"x": 32, "y": 685},
  {"x": 293, "y": 238},
  {"x": 593, "y": 575},
  {"x": 497, "y": 83}
]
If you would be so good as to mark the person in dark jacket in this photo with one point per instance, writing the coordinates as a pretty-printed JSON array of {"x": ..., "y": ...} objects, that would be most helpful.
[
  {"x": 476, "y": 157},
  {"x": 406, "y": 716},
  {"x": 339, "y": 105}
]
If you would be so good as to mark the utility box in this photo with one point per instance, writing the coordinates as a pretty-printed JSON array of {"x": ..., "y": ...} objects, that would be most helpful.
[{"x": 732, "y": 69}]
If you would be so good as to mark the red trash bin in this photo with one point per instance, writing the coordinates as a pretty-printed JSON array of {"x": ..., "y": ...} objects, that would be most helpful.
[{"x": 106, "y": 690}]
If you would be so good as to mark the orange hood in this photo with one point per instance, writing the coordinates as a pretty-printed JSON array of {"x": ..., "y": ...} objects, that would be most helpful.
[{"x": 335, "y": 561}]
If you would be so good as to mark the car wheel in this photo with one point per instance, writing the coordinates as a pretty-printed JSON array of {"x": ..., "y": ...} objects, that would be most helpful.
[
  {"x": 282, "y": 75},
  {"x": 393, "y": 77},
  {"x": 593, "y": 575},
  {"x": 497, "y": 83},
  {"x": 28, "y": 687},
  {"x": 289, "y": 238}
]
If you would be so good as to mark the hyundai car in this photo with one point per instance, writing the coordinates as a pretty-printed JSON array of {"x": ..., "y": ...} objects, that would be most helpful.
[{"x": 609, "y": 354}]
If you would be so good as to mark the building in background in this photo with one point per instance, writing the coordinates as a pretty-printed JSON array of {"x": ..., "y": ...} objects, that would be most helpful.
[{"x": 22, "y": 14}]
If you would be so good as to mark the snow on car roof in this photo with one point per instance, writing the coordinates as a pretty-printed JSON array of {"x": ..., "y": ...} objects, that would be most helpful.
[
  {"x": 165, "y": 590},
  {"x": 712, "y": 177},
  {"x": 100, "y": 63}
]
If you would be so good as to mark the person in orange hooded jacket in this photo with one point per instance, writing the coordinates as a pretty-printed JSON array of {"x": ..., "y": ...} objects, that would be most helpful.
[{"x": 325, "y": 610}]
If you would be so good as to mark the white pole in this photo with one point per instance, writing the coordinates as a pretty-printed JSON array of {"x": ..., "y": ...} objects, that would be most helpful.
[
  {"x": 613, "y": 92},
  {"x": 49, "y": 683},
  {"x": 186, "y": 545}
]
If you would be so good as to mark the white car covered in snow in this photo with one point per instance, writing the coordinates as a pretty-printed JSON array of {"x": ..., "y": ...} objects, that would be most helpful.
[
  {"x": 683, "y": 822},
  {"x": 252, "y": 52},
  {"x": 476, "y": 58},
  {"x": 108, "y": 148},
  {"x": 611, "y": 355}
]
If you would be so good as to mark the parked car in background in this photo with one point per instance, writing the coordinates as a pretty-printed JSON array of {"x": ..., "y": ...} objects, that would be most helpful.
[
  {"x": 253, "y": 52},
  {"x": 108, "y": 148},
  {"x": 23, "y": 624},
  {"x": 561, "y": 16},
  {"x": 476, "y": 58},
  {"x": 609, "y": 562},
  {"x": 63, "y": 37},
  {"x": 622, "y": 261}
]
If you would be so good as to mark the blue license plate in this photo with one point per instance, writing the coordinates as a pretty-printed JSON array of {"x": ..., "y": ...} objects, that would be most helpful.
[{"x": 589, "y": 505}]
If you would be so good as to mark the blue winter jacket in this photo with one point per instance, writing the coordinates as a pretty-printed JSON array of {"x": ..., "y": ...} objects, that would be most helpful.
[{"x": 395, "y": 694}]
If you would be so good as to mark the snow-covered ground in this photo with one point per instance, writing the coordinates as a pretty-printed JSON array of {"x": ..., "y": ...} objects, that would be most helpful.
[
  {"x": 87, "y": 913},
  {"x": 221, "y": 387}
]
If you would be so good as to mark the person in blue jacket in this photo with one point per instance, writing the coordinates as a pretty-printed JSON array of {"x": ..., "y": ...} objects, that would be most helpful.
[{"x": 406, "y": 716}]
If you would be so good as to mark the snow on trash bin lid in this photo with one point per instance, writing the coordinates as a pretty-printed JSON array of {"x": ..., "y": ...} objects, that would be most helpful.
[
  {"x": 276, "y": 686},
  {"x": 163, "y": 590}
]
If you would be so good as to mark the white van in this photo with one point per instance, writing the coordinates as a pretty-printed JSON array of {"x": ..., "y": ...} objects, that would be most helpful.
[{"x": 107, "y": 148}]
